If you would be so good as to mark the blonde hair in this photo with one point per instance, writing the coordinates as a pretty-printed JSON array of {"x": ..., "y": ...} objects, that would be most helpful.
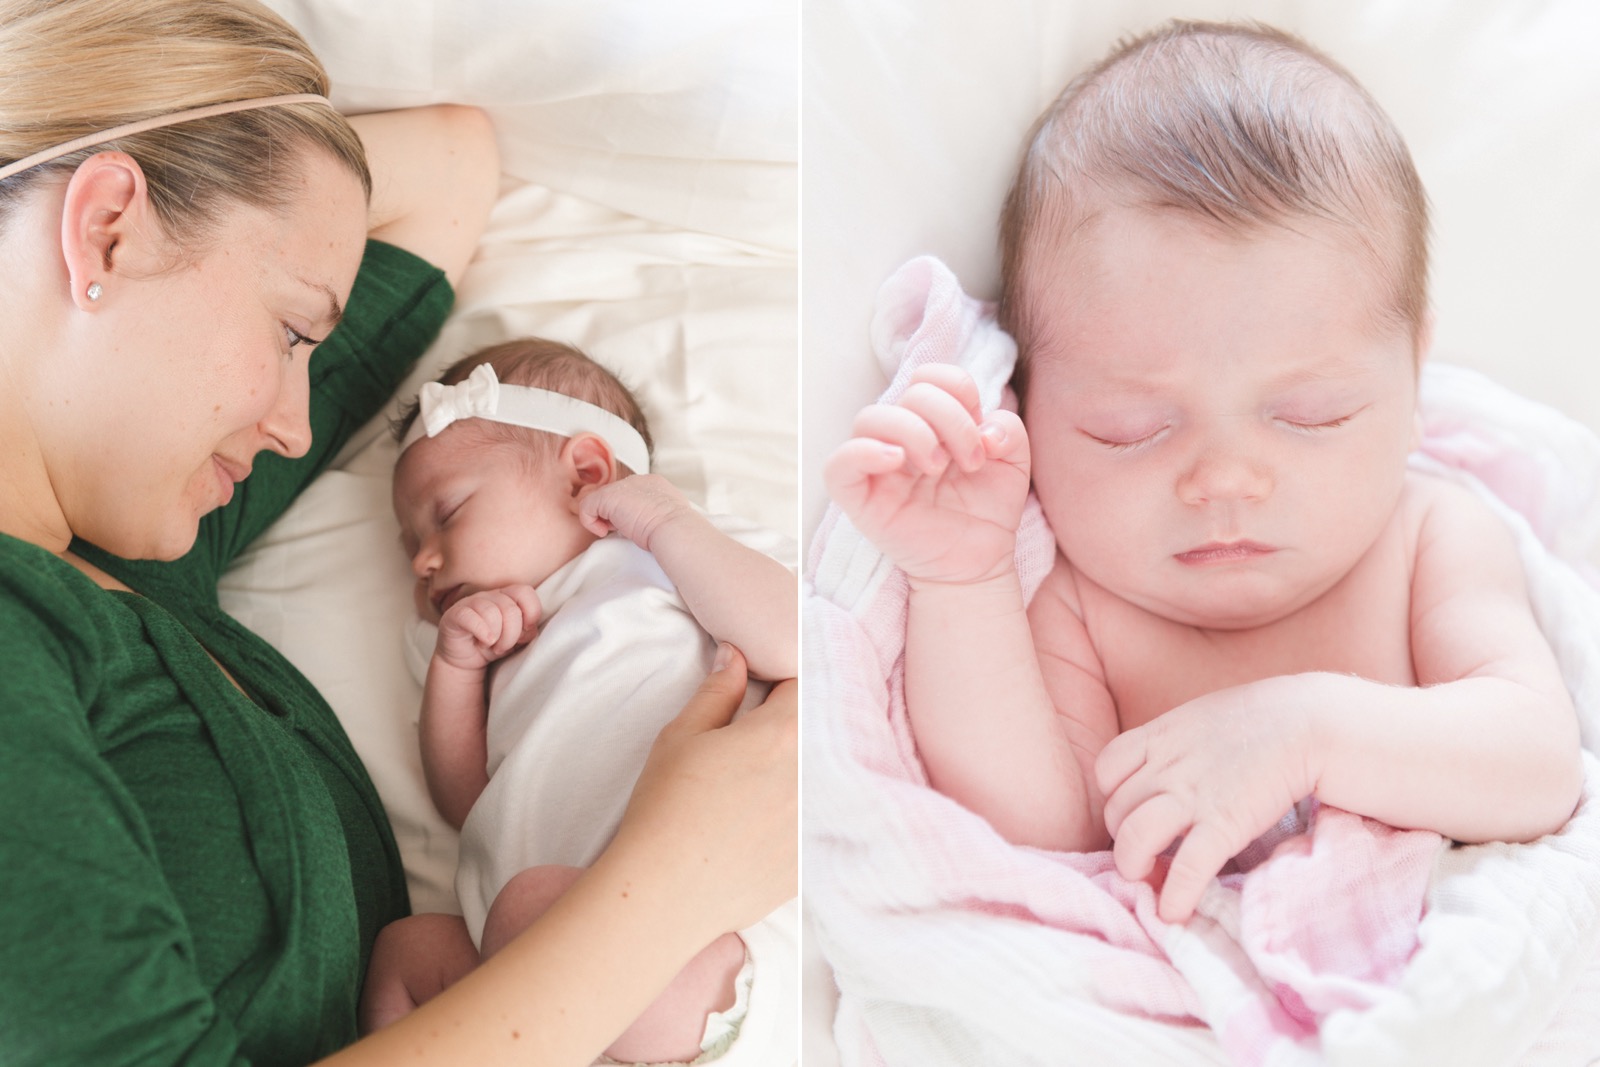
[
  {"x": 1238, "y": 124},
  {"x": 542, "y": 364},
  {"x": 76, "y": 67}
]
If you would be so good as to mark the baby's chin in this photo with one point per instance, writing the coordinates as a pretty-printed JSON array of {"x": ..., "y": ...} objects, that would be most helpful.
[{"x": 1244, "y": 605}]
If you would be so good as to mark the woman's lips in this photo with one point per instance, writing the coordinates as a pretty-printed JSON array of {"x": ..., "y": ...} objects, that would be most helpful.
[
  {"x": 227, "y": 475},
  {"x": 1224, "y": 552}
]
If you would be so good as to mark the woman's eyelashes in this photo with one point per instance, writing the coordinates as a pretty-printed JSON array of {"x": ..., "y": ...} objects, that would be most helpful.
[{"x": 295, "y": 338}]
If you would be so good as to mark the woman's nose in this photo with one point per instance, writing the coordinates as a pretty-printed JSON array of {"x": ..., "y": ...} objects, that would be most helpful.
[
  {"x": 1225, "y": 474},
  {"x": 288, "y": 425}
]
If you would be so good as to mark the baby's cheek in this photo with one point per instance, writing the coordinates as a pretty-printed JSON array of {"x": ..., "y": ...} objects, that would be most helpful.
[{"x": 420, "y": 601}]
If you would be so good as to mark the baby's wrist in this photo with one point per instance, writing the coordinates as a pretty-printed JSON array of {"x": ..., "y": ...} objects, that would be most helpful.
[
  {"x": 1002, "y": 587},
  {"x": 454, "y": 671},
  {"x": 678, "y": 520},
  {"x": 1002, "y": 572}
]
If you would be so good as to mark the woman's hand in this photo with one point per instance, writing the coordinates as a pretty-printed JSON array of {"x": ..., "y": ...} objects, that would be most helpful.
[{"x": 715, "y": 809}]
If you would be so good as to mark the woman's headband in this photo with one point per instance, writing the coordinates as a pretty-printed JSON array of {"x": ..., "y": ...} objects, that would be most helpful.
[
  {"x": 481, "y": 396},
  {"x": 172, "y": 118}
]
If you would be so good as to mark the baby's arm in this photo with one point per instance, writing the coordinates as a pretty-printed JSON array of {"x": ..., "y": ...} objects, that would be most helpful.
[
  {"x": 735, "y": 593},
  {"x": 476, "y": 631},
  {"x": 939, "y": 489},
  {"x": 1485, "y": 747}
]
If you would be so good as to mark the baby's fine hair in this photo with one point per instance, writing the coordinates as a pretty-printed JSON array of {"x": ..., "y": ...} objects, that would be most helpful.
[
  {"x": 543, "y": 364},
  {"x": 1238, "y": 124}
]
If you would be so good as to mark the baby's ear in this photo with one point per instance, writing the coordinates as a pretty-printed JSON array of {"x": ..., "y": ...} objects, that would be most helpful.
[{"x": 589, "y": 459}]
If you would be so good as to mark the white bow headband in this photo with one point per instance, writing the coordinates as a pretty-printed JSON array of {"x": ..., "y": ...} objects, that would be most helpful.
[{"x": 482, "y": 396}]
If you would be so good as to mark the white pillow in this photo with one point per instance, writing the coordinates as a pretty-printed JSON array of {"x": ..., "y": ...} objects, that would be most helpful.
[{"x": 681, "y": 113}]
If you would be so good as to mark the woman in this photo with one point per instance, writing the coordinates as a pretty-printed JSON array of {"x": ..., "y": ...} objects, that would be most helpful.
[{"x": 194, "y": 864}]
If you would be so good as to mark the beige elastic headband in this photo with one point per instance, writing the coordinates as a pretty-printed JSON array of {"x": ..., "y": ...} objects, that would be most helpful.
[{"x": 170, "y": 119}]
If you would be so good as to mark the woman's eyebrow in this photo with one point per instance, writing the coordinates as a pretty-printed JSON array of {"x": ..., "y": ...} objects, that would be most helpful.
[{"x": 335, "y": 310}]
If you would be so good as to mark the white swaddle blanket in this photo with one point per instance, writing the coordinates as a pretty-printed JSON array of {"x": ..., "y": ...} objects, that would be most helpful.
[
  {"x": 572, "y": 717},
  {"x": 952, "y": 947}
]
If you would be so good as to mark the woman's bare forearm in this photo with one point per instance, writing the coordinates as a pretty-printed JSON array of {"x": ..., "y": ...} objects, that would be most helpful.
[{"x": 435, "y": 176}]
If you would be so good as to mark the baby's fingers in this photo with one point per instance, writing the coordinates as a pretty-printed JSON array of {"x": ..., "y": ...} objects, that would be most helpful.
[
  {"x": 528, "y": 608},
  {"x": 952, "y": 422},
  {"x": 849, "y": 471},
  {"x": 591, "y": 500},
  {"x": 895, "y": 425},
  {"x": 1117, "y": 762},
  {"x": 1146, "y": 833},
  {"x": 1004, "y": 438},
  {"x": 1203, "y": 852},
  {"x": 953, "y": 380}
]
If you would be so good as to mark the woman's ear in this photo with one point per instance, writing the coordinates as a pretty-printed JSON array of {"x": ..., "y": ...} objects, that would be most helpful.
[
  {"x": 105, "y": 203},
  {"x": 589, "y": 461}
]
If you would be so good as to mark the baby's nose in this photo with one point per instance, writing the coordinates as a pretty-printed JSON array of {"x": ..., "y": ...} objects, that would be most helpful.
[
  {"x": 424, "y": 561},
  {"x": 1224, "y": 475}
]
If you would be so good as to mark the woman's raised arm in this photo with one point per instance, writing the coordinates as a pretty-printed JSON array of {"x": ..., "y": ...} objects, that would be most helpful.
[
  {"x": 708, "y": 845},
  {"x": 435, "y": 175}
]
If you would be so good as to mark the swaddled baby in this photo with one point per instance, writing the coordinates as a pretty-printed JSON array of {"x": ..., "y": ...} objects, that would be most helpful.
[
  {"x": 1214, "y": 265},
  {"x": 514, "y": 469}
]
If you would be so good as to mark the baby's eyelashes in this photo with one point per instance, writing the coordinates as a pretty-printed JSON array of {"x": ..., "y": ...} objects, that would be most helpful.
[
  {"x": 1125, "y": 442},
  {"x": 1316, "y": 423}
]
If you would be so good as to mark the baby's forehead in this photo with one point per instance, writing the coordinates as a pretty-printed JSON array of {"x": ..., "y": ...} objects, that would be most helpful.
[{"x": 1125, "y": 252}]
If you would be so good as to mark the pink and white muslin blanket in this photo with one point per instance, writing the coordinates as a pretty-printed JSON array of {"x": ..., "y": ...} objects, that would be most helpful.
[{"x": 1338, "y": 941}]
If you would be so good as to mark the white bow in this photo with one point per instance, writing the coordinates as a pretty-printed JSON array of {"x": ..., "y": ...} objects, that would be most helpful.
[
  {"x": 481, "y": 396},
  {"x": 475, "y": 397}
]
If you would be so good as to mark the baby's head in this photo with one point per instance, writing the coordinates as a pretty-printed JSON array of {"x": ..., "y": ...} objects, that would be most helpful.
[
  {"x": 485, "y": 502},
  {"x": 1215, "y": 267}
]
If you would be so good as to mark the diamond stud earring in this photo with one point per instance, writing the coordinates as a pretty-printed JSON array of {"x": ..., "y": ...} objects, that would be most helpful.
[{"x": 94, "y": 291}]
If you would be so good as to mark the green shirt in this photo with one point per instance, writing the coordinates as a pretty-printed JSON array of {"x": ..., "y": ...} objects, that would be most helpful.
[{"x": 190, "y": 874}]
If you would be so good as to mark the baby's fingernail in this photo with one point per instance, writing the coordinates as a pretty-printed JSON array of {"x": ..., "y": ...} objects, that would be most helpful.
[
  {"x": 724, "y": 657},
  {"x": 992, "y": 433},
  {"x": 938, "y": 459},
  {"x": 894, "y": 452}
]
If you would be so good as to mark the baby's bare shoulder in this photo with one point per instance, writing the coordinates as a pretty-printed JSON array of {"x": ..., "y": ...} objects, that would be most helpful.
[
  {"x": 1440, "y": 513},
  {"x": 1460, "y": 546}
]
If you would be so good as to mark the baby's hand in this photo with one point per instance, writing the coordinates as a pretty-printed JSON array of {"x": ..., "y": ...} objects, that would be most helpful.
[
  {"x": 933, "y": 483},
  {"x": 482, "y": 627},
  {"x": 1220, "y": 771},
  {"x": 635, "y": 507}
]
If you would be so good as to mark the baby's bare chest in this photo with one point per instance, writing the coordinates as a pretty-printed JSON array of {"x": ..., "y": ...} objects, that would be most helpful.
[{"x": 1361, "y": 626}]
